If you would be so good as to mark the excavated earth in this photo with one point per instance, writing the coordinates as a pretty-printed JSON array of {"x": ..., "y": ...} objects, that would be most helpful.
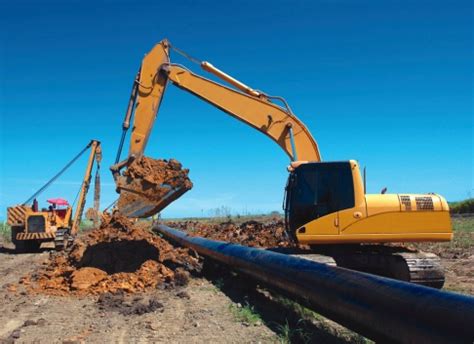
[
  {"x": 153, "y": 183},
  {"x": 157, "y": 172},
  {"x": 120, "y": 256},
  {"x": 250, "y": 233}
]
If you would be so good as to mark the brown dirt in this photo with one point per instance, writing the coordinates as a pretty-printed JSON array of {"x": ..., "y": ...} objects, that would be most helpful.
[
  {"x": 197, "y": 312},
  {"x": 203, "y": 316},
  {"x": 250, "y": 233},
  {"x": 151, "y": 184},
  {"x": 118, "y": 303},
  {"x": 120, "y": 256},
  {"x": 155, "y": 171}
]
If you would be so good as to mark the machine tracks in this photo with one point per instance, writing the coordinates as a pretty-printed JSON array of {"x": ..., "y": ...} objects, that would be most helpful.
[
  {"x": 422, "y": 268},
  {"x": 388, "y": 261}
]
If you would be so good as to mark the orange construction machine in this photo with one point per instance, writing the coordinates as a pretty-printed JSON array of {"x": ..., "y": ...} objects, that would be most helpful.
[{"x": 31, "y": 226}]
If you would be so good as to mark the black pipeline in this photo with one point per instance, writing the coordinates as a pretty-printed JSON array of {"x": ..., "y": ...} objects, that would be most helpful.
[{"x": 379, "y": 308}]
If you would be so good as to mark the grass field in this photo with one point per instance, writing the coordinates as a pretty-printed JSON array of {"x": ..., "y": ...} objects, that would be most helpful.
[
  {"x": 462, "y": 245},
  {"x": 5, "y": 231}
]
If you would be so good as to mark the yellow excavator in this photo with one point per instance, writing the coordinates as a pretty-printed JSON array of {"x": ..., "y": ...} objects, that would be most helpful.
[
  {"x": 325, "y": 203},
  {"x": 31, "y": 226}
]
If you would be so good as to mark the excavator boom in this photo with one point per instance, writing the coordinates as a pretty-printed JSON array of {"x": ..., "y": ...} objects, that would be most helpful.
[{"x": 241, "y": 102}]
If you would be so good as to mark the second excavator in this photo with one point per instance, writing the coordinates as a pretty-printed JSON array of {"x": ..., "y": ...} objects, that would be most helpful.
[{"x": 325, "y": 203}]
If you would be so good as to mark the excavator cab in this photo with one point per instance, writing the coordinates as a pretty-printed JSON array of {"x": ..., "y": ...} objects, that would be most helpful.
[{"x": 317, "y": 189}]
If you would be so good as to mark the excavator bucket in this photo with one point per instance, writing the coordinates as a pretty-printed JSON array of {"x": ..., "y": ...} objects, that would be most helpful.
[{"x": 147, "y": 186}]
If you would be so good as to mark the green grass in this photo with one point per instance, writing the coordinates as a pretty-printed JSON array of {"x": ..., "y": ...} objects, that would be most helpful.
[
  {"x": 462, "y": 245},
  {"x": 286, "y": 333},
  {"x": 463, "y": 224},
  {"x": 463, "y": 234},
  {"x": 86, "y": 225},
  {"x": 245, "y": 313},
  {"x": 5, "y": 231}
]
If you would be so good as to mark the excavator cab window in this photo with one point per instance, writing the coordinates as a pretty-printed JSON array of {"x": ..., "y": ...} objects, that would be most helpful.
[{"x": 317, "y": 189}]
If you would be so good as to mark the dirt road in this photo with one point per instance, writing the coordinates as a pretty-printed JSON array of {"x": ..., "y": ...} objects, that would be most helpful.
[
  {"x": 197, "y": 313},
  {"x": 219, "y": 309},
  {"x": 212, "y": 307}
]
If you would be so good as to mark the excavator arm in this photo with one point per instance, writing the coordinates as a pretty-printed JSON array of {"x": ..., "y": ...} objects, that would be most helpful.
[{"x": 250, "y": 106}]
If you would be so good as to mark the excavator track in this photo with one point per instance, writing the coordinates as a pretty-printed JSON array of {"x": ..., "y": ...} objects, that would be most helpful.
[
  {"x": 394, "y": 262},
  {"x": 389, "y": 261},
  {"x": 423, "y": 268}
]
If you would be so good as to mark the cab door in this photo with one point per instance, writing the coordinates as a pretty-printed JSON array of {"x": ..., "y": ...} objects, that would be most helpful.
[{"x": 355, "y": 209}]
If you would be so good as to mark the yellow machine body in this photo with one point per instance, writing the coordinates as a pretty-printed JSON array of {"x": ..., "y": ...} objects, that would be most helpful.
[
  {"x": 30, "y": 224},
  {"x": 381, "y": 218},
  {"x": 30, "y": 220}
]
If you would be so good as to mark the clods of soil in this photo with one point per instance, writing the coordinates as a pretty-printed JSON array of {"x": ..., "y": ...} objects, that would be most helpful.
[
  {"x": 250, "y": 233},
  {"x": 149, "y": 185},
  {"x": 120, "y": 256}
]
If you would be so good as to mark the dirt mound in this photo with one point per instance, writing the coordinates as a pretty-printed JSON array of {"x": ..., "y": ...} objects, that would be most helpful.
[
  {"x": 250, "y": 233},
  {"x": 120, "y": 256}
]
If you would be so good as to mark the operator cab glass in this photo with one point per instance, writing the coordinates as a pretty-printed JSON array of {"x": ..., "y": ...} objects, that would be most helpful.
[{"x": 318, "y": 189}]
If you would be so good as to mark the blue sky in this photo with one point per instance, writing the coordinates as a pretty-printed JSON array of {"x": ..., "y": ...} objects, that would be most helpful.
[{"x": 389, "y": 83}]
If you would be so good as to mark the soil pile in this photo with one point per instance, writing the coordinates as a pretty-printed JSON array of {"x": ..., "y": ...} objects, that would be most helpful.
[
  {"x": 155, "y": 184},
  {"x": 250, "y": 233},
  {"x": 117, "y": 257}
]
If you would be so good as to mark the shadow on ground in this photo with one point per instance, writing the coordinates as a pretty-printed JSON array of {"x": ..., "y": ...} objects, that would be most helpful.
[{"x": 281, "y": 317}]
